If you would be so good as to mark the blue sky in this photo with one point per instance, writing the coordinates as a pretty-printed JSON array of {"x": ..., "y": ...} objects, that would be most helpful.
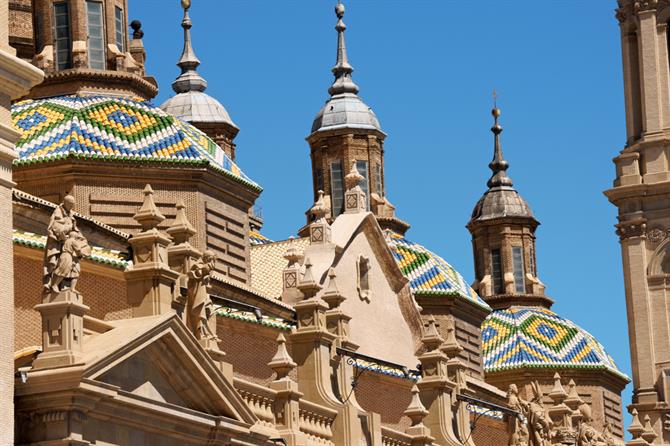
[{"x": 427, "y": 68}]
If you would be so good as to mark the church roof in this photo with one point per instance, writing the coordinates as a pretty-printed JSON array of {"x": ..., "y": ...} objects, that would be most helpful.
[
  {"x": 256, "y": 238},
  {"x": 113, "y": 128},
  {"x": 428, "y": 273},
  {"x": 520, "y": 337},
  {"x": 105, "y": 256}
]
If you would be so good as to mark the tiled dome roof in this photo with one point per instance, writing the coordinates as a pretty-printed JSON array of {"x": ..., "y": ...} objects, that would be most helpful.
[
  {"x": 256, "y": 238},
  {"x": 518, "y": 338},
  {"x": 428, "y": 273},
  {"x": 113, "y": 128}
]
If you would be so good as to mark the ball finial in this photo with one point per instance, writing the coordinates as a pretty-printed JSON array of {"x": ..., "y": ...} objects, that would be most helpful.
[
  {"x": 496, "y": 112},
  {"x": 339, "y": 9}
]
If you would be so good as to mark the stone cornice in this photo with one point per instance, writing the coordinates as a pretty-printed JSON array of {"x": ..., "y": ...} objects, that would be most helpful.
[
  {"x": 95, "y": 80},
  {"x": 18, "y": 76}
]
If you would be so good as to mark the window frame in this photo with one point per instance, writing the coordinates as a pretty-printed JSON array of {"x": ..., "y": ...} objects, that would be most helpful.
[
  {"x": 101, "y": 37},
  {"x": 497, "y": 283},
  {"x": 518, "y": 269},
  {"x": 60, "y": 64},
  {"x": 335, "y": 196},
  {"x": 119, "y": 28}
]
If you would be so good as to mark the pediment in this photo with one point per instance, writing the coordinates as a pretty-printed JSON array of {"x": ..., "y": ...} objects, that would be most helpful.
[{"x": 156, "y": 359}]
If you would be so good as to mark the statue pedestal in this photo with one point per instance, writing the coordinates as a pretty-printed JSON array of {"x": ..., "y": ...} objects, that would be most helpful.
[{"x": 62, "y": 329}]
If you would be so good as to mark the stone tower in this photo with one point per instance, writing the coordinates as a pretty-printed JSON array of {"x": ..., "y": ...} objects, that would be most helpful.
[
  {"x": 344, "y": 132},
  {"x": 503, "y": 238},
  {"x": 84, "y": 47},
  {"x": 192, "y": 104},
  {"x": 641, "y": 193},
  {"x": 16, "y": 78},
  {"x": 523, "y": 340}
]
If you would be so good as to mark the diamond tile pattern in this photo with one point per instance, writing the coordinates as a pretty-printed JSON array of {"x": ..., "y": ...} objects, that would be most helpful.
[
  {"x": 429, "y": 273},
  {"x": 108, "y": 127},
  {"x": 256, "y": 238},
  {"x": 517, "y": 338}
]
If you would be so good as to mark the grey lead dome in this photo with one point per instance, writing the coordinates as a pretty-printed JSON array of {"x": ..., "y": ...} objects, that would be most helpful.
[
  {"x": 191, "y": 103},
  {"x": 344, "y": 109}
]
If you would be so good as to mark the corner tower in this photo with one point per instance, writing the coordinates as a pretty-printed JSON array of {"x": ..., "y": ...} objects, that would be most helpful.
[
  {"x": 641, "y": 193},
  {"x": 83, "y": 47},
  {"x": 523, "y": 340},
  {"x": 344, "y": 132},
  {"x": 503, "y": 239},
  {"x": 192, "y": 104}
]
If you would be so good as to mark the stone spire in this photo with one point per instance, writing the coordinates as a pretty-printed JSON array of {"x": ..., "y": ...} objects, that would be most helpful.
[
  {"x": 498, "y": 165},
  {"x": 354, "y": 197},
  {"x": 342, "y": 69},
  {"x": 150, "y": 280},
  {"x": 503, "y": 234},
  {"x": 190, "y": 79}
]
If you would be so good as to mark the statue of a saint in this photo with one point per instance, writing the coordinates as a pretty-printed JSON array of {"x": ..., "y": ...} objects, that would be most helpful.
[
  {"x": 199, "y": 306},
  {"x": 518, "y": 428},
  {"x": 588, "y": 435},
  {"x": 539, "y": 423},
  {"x": 65, "y": 247}
]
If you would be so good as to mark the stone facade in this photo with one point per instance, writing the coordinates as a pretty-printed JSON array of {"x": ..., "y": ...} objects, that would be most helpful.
[
  {"x": 640, "y": 192},
  {"x": 16, "y": 78},
  {"x": 146, "y": 314}
]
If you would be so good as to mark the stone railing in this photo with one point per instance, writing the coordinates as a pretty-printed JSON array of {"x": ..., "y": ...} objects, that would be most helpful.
[
  {"x": 317, "y": 422},
  {"x": 259, "y": 399},
  {"x": 395, "y": 438}
]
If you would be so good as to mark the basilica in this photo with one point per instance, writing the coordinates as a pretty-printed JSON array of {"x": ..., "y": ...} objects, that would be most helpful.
[{"x": 144, "y": 306}]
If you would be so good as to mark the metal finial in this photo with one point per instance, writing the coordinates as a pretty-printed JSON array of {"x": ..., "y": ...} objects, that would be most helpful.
[
  {"x": 189, "y": 80},
  {"x": 498, "y": 165},
  {"x": 342, "y": 69}
]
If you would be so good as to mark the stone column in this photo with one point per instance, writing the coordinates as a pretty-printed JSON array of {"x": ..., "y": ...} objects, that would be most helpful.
[
  {"x": 16, "y": 79},
  {"x": 633, "y": 252},
  {"x": 649, "y": 61}
]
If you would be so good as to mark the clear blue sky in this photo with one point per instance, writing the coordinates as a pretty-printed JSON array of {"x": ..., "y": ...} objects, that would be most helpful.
[{"x": 427, "y": 68}]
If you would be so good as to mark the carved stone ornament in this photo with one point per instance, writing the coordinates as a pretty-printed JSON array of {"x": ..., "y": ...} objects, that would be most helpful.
[
  {"x": 656, "y": 235},
  {"x": 629, "y": 229},
  {"x": 644, "y": 5},
  {"x": 65, "y": 247}
]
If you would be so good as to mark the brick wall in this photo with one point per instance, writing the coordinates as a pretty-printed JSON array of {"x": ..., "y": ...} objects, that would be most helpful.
[
  {"x": 249, "y": 348},
  {"x": 385, "y": 395},
  {"x": 106, "y": 296},
  {"x": 489, "y": 432}
]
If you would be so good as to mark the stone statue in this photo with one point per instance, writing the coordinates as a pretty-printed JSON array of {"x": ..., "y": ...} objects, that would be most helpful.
[
  {"x": 539, "y": 424},
  {"x": 65, "y": 247},
  {"x": 587, "y": 435},
  {"x": 199, "y": 305},
  {"x": 518, "y": 428}
]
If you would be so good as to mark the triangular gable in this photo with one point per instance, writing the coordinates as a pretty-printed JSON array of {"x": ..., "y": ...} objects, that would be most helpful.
[
  {"x": 156, "y": 358},
  {"x": 347, "y": 226}
]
